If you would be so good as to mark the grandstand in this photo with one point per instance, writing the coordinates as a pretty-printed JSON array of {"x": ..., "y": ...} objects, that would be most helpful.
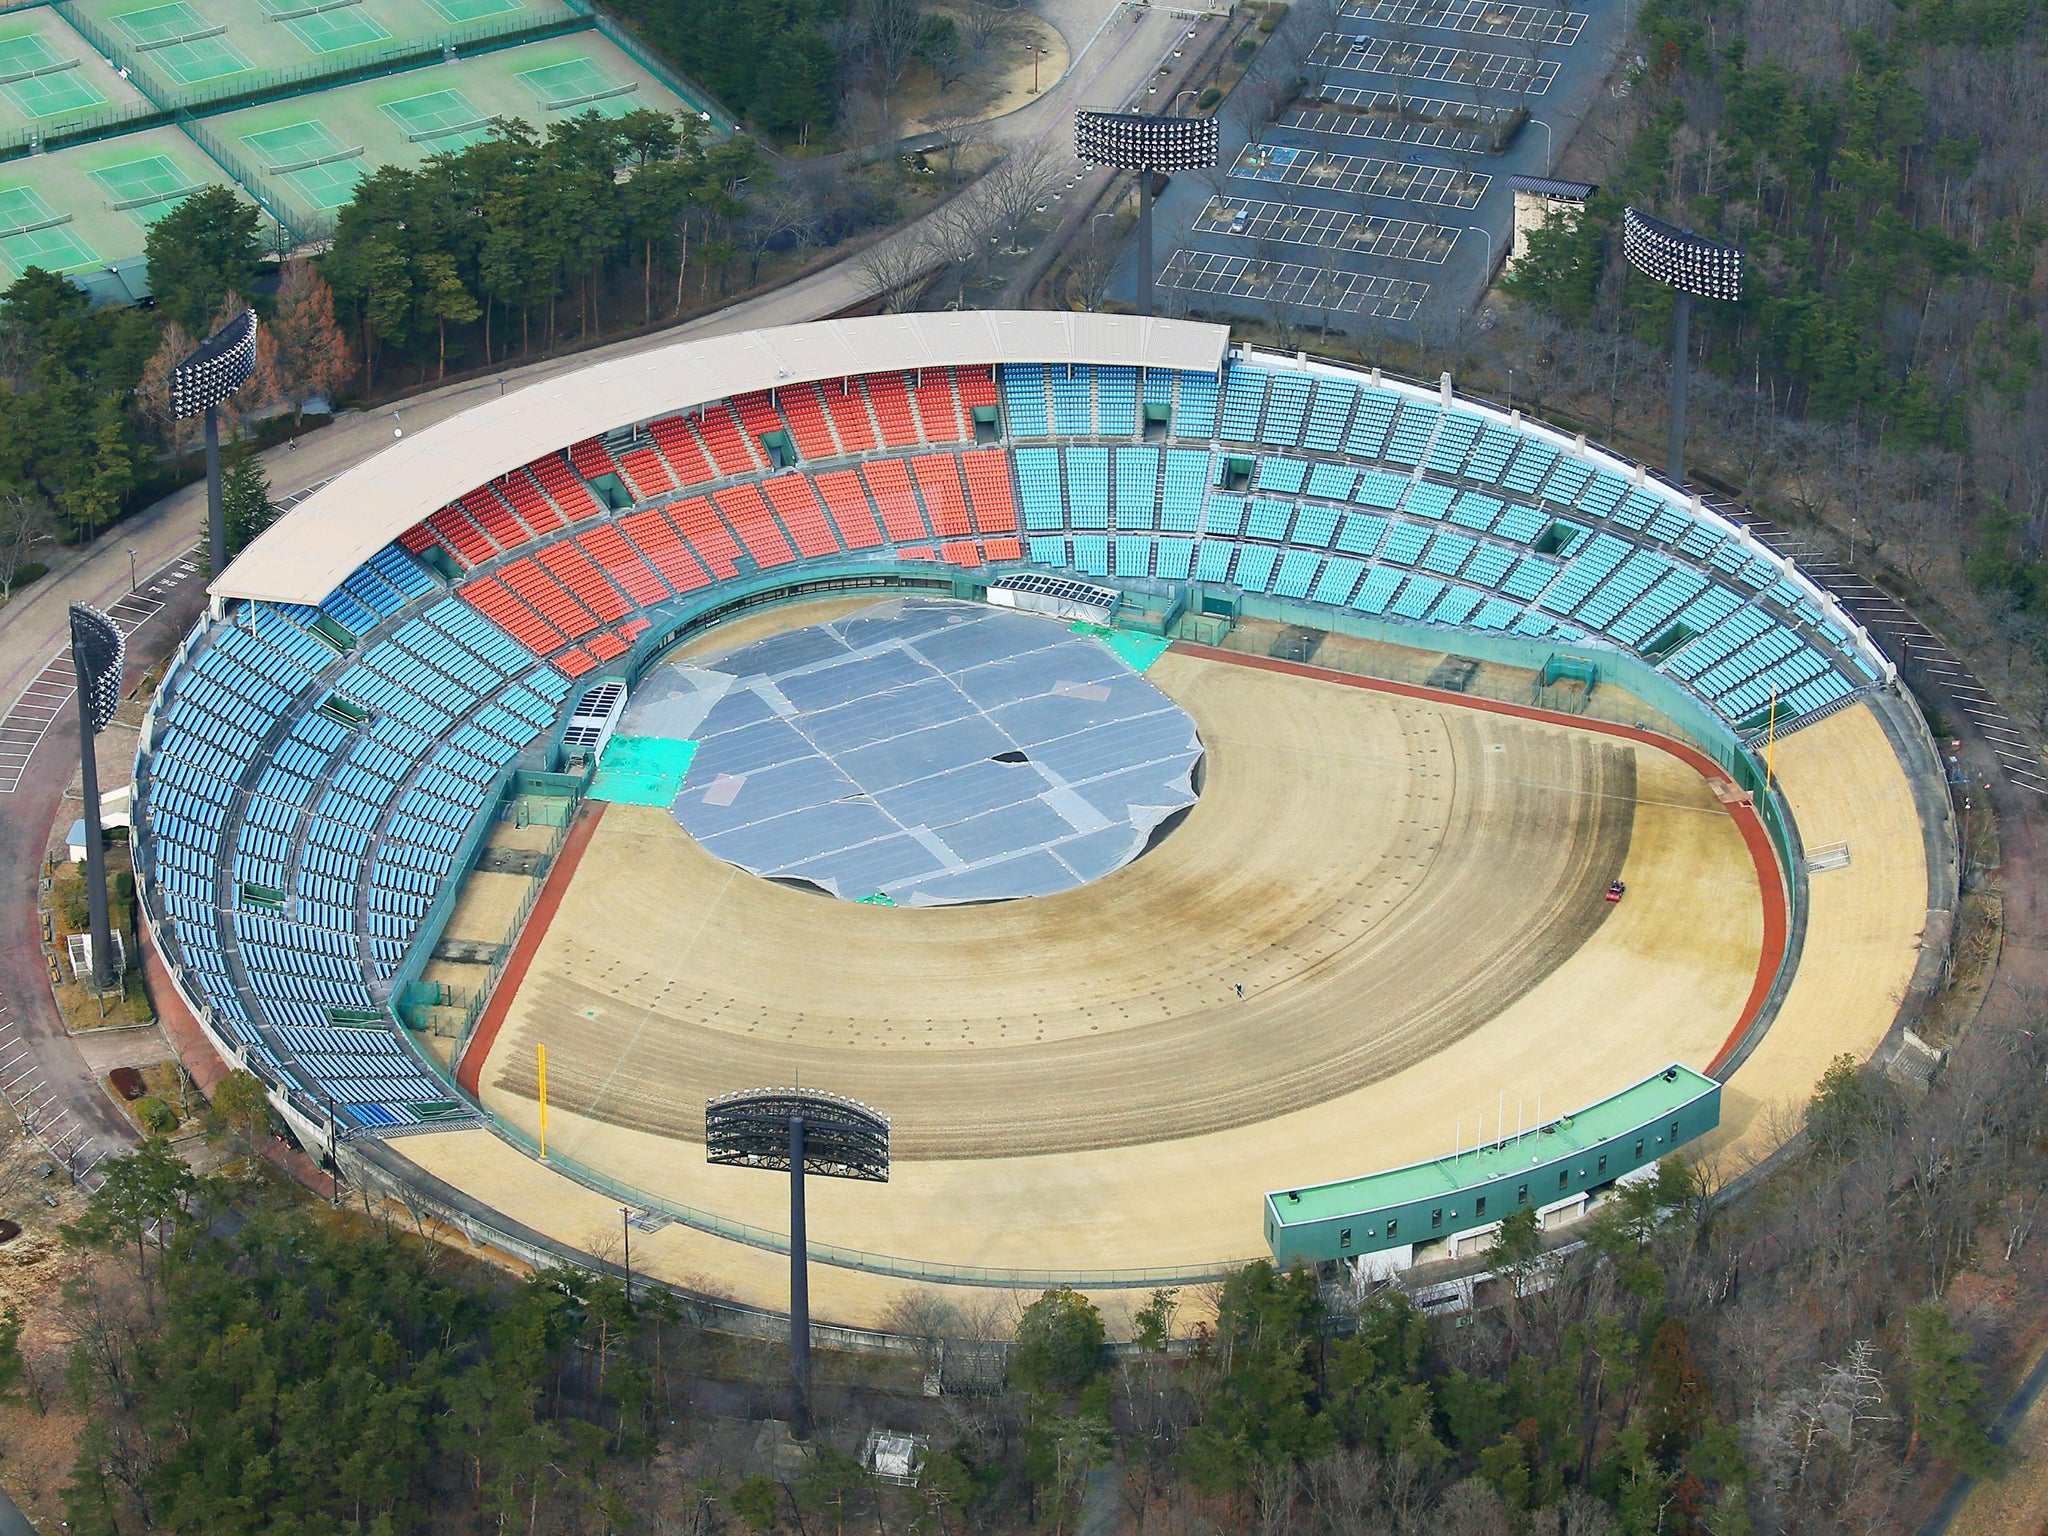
[{"x": 393, "y": 662}]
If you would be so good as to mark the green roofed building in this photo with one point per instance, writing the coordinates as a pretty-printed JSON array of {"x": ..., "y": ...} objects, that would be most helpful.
[{"x": 1423, "y": 1210}]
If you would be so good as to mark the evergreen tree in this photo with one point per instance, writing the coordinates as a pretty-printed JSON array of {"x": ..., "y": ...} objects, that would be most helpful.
[
  {"x": 201, "y": 251},
  {"x": 1942, "y": 1390},
  {"x": 244, "y": 495}
]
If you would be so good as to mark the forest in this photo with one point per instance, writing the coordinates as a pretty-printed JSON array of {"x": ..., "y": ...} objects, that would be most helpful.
[{"x": 1808, "y": 1358}]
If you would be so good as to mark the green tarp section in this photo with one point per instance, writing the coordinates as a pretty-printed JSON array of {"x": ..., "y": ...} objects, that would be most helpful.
[
  {"x": 642, "y": 770},
  {"x": 1137, "y": 652},
  {"x": 879, "y": 899}
]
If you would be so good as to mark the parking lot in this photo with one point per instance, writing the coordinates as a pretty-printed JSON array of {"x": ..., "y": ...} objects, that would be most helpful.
[{"x": 1376, "y": 193}]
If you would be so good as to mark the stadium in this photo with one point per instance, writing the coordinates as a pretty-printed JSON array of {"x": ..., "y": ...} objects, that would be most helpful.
[{"x": 1217, "y": 803}]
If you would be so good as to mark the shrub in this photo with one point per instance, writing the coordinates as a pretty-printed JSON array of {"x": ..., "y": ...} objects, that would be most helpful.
[
  {"x": 157, "y": 1117},
  {"x": 1209, "y": 97}
]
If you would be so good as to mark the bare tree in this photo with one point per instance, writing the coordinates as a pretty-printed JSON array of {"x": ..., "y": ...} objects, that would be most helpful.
[
  {"x": 989, "y": 28},
  {"x": 886, "y": 34},
  {"x": 1013, "y": 190},
  {"x": 24, "y": 523},
  {"x": 896, "y": 268}
]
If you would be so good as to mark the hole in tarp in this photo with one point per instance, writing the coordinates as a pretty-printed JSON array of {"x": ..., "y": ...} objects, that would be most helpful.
[{"x": 1011, "y": 756}]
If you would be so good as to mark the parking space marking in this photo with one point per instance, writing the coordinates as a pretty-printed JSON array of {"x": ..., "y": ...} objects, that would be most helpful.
[
  {"x": 1329, "y": 229},
  {"x": 1523, "y": 74},
  {"x": 1440, "y": 186},
  {"x": 1458, "y": 127},
  {"x": 1291, "y": 283},
  {"x": 1491, "y": 18}
]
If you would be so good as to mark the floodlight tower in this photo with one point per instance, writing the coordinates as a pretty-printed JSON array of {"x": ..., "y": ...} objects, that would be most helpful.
[
  {"x": 802, "y": 1131},
  {"x": 1134, "y": 141},
  {"x": 1693, "y": 266},
  {"x": 98, "y": 651},
  {"x": 218, "y": 367}
]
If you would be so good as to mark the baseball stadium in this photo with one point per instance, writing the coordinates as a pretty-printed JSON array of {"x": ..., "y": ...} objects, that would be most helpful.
[{"x": 1216, "y": 803}]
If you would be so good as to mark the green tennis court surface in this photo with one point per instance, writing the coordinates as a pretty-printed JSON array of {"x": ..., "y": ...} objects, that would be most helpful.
[
  {"x": 181, "y": 43},
  {"x": 462, "y": 11},
  {"x": 145, "y": 189},
  {"x": 311, "y": 161},
  {"x": 439, "y": 120},
  {"x": 642, "y": 770},
  {"x": 577, "y": 85},
  {"x": 327, "y": 26},
  {"x": 33, "y": 235},
  {"x": 39, "y": 82}
]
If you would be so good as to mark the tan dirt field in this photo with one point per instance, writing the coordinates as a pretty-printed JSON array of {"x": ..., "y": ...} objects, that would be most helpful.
[
  {"x": 1366, "y": 1038},
  {"x": 1863, "y": 927}
]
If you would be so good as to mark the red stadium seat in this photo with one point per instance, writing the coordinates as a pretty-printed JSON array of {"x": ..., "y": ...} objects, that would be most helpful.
[
  {"x": 567, "y": 563},
  {"x": 796, "y": 502},
  {"x": 938, "y": 481},
  {"x": 748, "y": 513},
  {"x": 847, "y": 500},
  {"x": 534, "y": 509},
  {"x": 616, "y": 558},
  {"x": 808, "y": 428},
  {"x": 886, "y": 393},
  {"x": 936, "y": 407},
  {"x": 889, "y": 483},
  {"x": 848, "y": 408},
  {"x": 707, "y": 533},
  {"x": 549, "y": 598},
  {"x": 685, "y": 455},
  {"x": 657, "y": 540},
  {"x": 988, "y": 488}
]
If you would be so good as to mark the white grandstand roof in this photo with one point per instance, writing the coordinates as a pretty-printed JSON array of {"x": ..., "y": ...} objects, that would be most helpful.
[{"x": 305, "y": 555}]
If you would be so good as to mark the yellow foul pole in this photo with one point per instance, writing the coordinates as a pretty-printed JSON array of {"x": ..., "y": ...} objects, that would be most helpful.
[{"x": 543, "y": 1053}]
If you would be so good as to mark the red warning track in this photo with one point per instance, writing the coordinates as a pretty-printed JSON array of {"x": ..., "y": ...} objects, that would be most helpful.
[
  {"x": 1771, "y": 890},
  {"x": 560, "y": 876}
]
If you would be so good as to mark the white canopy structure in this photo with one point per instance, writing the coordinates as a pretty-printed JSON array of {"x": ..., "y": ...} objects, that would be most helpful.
[{"x": 305, "y": 555}]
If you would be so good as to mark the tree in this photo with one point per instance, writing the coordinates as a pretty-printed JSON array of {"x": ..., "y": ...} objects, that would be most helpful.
[
  {"x": 1849, "y": 1108},
  {"x": 1942, "y": 1390},
  {"x": 238, "y": 1110},
  {"x": 141, "y": 1196},
  {"x": 1059, "y": 1344},
  {"x": 756, "y": 1501},
  {"x": 153, "y": 393},
  {"x": 443, "y": 297},
  {"x": 13, "y": 1367},
  {"x": 312, "y": 359},
  {"x": 201, "y": 251},
  {"x": 938, "y": 45},
  {"x": 24, "y": 524}
]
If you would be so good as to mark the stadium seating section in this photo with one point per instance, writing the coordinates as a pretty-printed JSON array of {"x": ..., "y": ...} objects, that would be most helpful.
[{"x": 311, "y": 775}]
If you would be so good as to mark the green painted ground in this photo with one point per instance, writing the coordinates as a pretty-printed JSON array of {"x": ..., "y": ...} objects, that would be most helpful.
[
  {"x": 1137, "y": 652},
  {"x": 642, "y": 770}
]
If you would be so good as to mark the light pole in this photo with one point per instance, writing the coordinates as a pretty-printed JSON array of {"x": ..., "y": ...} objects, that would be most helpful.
[
  {"x": 626, "y": 1228},
  {"x": 1037, "y": 53},
  {"x": 1134, "y": 141},
  {"x": 131, "y": 570},
  {"x": 1549, "y": 144},
  {"x": 801, "y": 1131},
  {"x": 1692, "y": 266},
  {"x": 218, "y": 367},
  {"x": 1176, "y": 100},
  {"x": 98, "y": 650}
]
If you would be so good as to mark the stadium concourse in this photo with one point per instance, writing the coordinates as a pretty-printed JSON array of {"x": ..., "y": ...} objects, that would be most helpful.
[{"x": 1378, "y": 934}]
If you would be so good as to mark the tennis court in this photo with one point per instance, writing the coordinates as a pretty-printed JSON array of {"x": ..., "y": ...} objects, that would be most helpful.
[
  {"x": 328, "y": 26},
  {"x": 310, "y": 151},
  {"x": 439, "y": 120},
  {"x": 181, "y": 44},
  {"x": 107, "y": 193},
  {"x": 50, "y": 76},
  {"x": 309, "y": 159},
  {"x": 33, "y": 234}
]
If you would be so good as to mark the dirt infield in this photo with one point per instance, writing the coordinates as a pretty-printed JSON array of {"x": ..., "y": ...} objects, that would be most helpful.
[
  {"x": 1357, "y": 840},
  {"x": 1380, "y": 877}
]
